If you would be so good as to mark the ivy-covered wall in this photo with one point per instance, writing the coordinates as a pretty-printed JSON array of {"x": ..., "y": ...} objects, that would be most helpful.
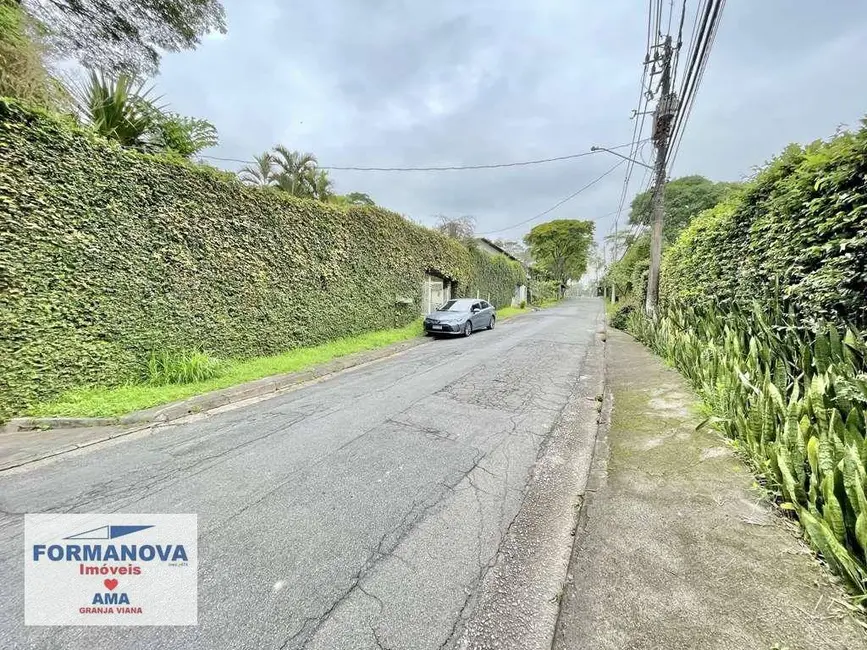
[
  {"x": 493, "y": 277},
  {"x": 108, "y": 254},
  {"x": 797, "y": 233}
]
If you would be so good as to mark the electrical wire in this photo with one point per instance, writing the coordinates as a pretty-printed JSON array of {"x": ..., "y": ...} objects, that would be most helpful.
[
  {"x": 700, "y": 57},
  {"x": 522, "y": 163},
  {"x": 559, "y": 203}
]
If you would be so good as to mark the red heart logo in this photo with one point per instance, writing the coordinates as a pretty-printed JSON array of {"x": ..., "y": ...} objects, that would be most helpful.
[{"x": 110, "y": 584}]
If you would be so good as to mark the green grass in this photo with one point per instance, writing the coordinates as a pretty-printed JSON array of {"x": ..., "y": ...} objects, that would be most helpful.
[
  {"x": 120, "y": 400},
  {"x": 507, "y": 312}
]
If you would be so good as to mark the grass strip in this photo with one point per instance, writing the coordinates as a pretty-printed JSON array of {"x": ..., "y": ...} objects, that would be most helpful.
[{"x": 99, "y": 401}]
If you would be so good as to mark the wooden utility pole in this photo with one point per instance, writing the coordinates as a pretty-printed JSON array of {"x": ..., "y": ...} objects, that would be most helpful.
[{"x": 663, "y": 116}]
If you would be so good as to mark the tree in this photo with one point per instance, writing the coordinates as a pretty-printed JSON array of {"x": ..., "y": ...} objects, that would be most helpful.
[
  {"x": 359, "y": 198},
  {"x": 126, "y": 35},
  {"x": 295, "y": 171},
  {"x": 184, "y": 135},
  {"x": 321, "y": 186},
  {"x": 684, "y": 198},
  {"x": 23, "y": 71},
  {"x": 260, "y": 173},
  {"x": 456, "y": 227},
  {"x": 561, "y": 248}
]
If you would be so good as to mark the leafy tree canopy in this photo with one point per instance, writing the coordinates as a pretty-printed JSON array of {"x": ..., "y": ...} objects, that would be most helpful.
[
  {"x": 685, "y": 197},
  {"x": 184, "y": 135},
  {"x": 562, "y": 247},
  {"x": 359, "y": 198},
  {"x": 126, "y": 35}
]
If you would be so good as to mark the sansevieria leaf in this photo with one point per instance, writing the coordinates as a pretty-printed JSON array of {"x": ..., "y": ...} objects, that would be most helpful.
[
  {"x": 861, "y": 530},
  {"x": 835, "y": 554},
  {"x": 813, "y": 457},
  {"x": 822, "y": 358},
  {"x": 832, "y": 512}
]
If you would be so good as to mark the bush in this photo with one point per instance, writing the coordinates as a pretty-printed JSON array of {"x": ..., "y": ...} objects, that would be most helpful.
[
  {"x": 185, "y": 367},
  {"x": 543, "y": 291},
  {"x": 22, "y": 70},
  {"x": 798, "y": 232},
  {"x": 621, "y": 313},
  {"x": 107, "y": 254}
]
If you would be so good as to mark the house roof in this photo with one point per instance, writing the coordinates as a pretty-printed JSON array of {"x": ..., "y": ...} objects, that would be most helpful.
[{"x": 501, "y": 250}]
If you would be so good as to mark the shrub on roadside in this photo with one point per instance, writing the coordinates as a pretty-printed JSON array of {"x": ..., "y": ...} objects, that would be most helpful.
[
  {"x": 182, "y": 367},
  {"x": 620, "y": 313},
  {"x": 798, "y": 233},
  {"x": 763, "y": 303}
]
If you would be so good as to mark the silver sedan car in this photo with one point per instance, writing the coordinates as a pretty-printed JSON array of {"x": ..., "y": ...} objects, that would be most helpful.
[{"x": 461, "y": 316}]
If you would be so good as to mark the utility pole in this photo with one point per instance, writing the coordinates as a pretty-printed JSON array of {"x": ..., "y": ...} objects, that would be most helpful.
[{"x": 663, "y": 116}]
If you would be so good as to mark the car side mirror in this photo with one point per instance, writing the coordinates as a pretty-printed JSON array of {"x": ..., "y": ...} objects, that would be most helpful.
[{"x": 475, "y": 310}]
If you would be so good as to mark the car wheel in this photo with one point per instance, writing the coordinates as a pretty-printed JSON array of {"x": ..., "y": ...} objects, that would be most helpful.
[
  {"x": 468, "y": 328},
  {"x": 493, "y": 322}
]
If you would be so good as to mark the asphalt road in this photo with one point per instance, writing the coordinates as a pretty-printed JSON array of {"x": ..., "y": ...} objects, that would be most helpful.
[{"x": 362, "y": 511}]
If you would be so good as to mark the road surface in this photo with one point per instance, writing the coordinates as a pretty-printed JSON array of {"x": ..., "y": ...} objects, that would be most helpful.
[{"x": 361, "y": 511}]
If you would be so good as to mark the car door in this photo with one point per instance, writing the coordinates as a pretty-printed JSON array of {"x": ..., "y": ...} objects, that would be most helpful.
[
  {"x": 488, "y": 309},
  {"x": 477, "y": 316}
]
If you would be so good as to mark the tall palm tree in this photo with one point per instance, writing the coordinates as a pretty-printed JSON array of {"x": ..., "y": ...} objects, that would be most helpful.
[
  {"x": 296, "y": 172},
  {"x": 261, "y": 173}
]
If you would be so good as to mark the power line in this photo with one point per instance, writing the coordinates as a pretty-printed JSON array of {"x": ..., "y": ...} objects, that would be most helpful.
[
  {"x": 559, "y": 203},
  {"x": 522, "y": 163},
  {"x": 699, "y": 57}
]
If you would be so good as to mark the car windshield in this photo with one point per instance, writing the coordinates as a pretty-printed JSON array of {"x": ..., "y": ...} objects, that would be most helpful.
[{"x": 456, "y": 305}]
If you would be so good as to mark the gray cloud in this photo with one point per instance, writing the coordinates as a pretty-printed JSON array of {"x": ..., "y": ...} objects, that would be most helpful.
[{"x": 400, "y": 83}]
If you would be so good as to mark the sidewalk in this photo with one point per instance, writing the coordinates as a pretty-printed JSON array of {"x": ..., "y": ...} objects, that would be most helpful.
[{"x": 675, "y": 549}]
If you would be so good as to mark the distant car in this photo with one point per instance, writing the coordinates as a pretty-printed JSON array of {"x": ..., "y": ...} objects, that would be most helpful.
[{"x": 461, "y": 316}]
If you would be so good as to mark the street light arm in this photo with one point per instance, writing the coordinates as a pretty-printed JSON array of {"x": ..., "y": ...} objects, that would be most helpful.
[{"x": 620, "y": 155}]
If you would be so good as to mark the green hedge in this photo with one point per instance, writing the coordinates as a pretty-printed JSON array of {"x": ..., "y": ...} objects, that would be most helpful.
[
  {"x": 108, "y": 254},
  {"x": 798, "y": 232}
]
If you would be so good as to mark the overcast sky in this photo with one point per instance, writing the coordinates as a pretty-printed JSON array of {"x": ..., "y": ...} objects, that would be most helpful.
[{"x": 454, "y": 82}]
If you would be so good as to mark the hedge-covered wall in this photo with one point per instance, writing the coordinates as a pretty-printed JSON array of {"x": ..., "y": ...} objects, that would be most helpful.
[
  {"x": 493, "y": 278},
  {"x": 797, "y": 232},
  {"x": 108, "y": 254}
]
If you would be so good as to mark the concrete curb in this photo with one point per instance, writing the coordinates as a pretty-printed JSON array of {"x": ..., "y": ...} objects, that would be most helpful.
[
  {"x": 520, "y": 595},
  {"x": 224, "y": 396},
  {"x": 217, "y": 398}
]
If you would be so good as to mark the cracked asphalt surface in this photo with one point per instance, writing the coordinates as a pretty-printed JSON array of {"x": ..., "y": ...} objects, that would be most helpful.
[{"x": 362, "y": 511}]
